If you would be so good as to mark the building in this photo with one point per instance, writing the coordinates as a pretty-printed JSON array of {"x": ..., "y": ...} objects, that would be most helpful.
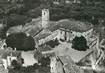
[
  {"x": 45, "y": 18},
  {"x": 67, "y": 29}
]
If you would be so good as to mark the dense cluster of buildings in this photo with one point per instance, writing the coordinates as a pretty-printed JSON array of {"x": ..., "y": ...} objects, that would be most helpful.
[{"x": 65, "y": 57}]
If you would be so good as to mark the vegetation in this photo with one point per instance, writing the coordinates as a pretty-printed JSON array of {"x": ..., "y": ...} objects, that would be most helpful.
[
  {"x": 16, "y": 65},
  {"x": 20, "y": 41},
  {"x": 31, "y": 69},
  {"x": 80, "y": 44},
  {"x": 45, "y": 61},
  {"x": 92, "y": 11},
  {"x": 53, "y": 43},
  {"x": 43, "y": 68}
]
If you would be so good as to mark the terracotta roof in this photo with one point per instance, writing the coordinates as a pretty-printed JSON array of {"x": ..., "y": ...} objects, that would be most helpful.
[{"x": 77, "y": 26}]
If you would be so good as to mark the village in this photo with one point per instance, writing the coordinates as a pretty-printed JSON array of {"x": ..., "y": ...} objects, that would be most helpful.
[{"x": 63, "y": 46}]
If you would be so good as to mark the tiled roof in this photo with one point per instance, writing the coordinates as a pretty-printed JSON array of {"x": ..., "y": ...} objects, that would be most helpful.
[
  {"x": 71, "y": 25},
  {"x": 46, "y": 50},
  {"x": 41, "y": 36},
  {"x": 69, "y": 65}
]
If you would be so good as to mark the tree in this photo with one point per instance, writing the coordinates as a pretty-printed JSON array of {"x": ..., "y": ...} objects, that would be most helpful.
[
  {"x": 16, "y": 19},
  {"x": 79, "y": 43},
  {"x": 16, "y": 65},
  {"x": 20, "y": 41},
  {"x": 3, "y": 32},
  {"x": 45, "y": 61},
  {"x": 29, "y": 4},
  {"x": 52, "y": 43}
]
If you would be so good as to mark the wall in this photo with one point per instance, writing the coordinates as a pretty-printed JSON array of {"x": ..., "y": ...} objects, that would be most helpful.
[
  {"x": 48, "y": 38},
  {"x": 53, "y": 65},
  {"x": 66, "y": 35}
]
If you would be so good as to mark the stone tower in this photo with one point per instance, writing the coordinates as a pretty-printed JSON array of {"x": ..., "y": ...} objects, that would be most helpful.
[{"x": 45, "y": 18}]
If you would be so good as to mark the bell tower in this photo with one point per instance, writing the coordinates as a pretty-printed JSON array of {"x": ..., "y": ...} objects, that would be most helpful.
[{"x": 45, "y": 18}]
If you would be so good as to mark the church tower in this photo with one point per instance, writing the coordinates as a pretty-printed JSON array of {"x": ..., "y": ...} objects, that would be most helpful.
[{"x": 45, "y": 18}]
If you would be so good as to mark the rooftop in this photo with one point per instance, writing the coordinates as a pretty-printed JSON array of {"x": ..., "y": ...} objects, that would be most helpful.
[
  {"x": 44, "y": 48},
  {"x": 41, "y": 35},
  {"x": 70, "y": 65},
  {"x": 77, "y": 26}
]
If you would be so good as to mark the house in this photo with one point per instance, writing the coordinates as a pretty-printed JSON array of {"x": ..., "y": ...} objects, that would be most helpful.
[
  {"x": 76, "y": 28},
  {"x": 7, "y": 56},
  {"x": 67, "y": 29}
]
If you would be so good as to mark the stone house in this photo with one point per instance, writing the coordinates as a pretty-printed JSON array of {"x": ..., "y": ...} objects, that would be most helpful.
[{"x": 67, "y": 29}]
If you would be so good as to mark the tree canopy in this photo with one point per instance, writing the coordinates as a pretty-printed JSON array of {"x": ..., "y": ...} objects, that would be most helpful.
[
  {"x": 92, "y": 11},
  {"x": 29, "y": 4},
  {"x": 20, "y": 41},
  {"x": 79, "y": 43}
]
